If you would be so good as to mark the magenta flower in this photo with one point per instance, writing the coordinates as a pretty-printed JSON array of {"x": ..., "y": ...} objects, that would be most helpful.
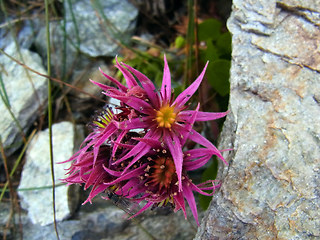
[
  {"x": 151, "y": 165},
  {"x": 90, "y": 172},
  {"x": 152, "y": 179},
  {"x": 155, "y": 179},
  {"x": 165, "y": 119},
  {"x": 89, "y": 168}
]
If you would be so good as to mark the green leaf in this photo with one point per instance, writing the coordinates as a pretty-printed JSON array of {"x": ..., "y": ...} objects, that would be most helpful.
[
  {"x": 224, "y": 44},
  {"x": 209, "y": 174},
  {"x": 218, "y": 74},
  {"x": 212, "y": 52},
  {"x": 209, "y": 29},
  {"x": 179, "y": 42}
]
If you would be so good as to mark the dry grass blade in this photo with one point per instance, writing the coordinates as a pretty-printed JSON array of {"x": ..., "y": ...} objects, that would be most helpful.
[{"x": 50, "y": 117}]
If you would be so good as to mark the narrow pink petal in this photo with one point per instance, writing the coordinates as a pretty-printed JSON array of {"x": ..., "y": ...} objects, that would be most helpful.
[
  {"x": 175, "y": 148},
  {"x": 128, "y": 146},
  {"x": 94, "y": 178},
  {"x": 119, "y": 85},
  {"x": 94, "y": 175},
  {"x": 110, "y": 129},
  {"x": 94, "y": 192},
  {"x": 196, "y": 164},
  {"x": 133, "y": 173},
  {"x": 198, "y": 138},
  {"x": 135, "y": 191},
  {"x": 166, "y": 83},
  {"x": 136, "y": 103},
  {"x": 89, "y": 137},
  {"x": 196, "y": 153},
  {"x": 139, "y": 150},
  {"x": 147, "y": 85},
  {"x": 189, "y": 124},
  {"x": 203, "y": 116},
  {"x": 179, "y": 201},
  {"x": 187, "y": 94},
  {"x": 142, "y": 152},
  {"x": 143, "y": 122},
  {"x": 111, "y": 172},
  {"x": 108, "y": 89},
  {"x": 214, "y": 186},
  {"x": 129, "y": 186},
  {"x": 83, "y": 151},
  {"x": 116, "y": 143},
  {"x": 145, "y": 207},
  {"x": 188, "y": 194},
  {"x": 197, "y": 189},
  {"x": 152, "y": 142},
  {"x": 131, "y": 81},
  {"x": 134, "y": 151}
]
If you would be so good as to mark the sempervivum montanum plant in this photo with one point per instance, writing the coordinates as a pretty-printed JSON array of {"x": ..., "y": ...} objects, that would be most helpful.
[
  {"x": 110, "y": 158},
  {"x": 152, "y": 179},
  {"x": 165, "y": 119}
]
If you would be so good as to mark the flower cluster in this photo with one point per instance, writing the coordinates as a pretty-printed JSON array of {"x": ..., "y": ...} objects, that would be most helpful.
[{"x": 151, "y": 165}]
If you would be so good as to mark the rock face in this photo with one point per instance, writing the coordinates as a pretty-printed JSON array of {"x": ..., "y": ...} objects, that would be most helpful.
[
  {"x": 93, "y": 27},
  {"x": 117, "y": 18},
  {"x": 26, "y": 93},
  {"x": 25, "y": 33},
  {"x": 270, "y": 189},
  {"x": 37, "y": 174}
]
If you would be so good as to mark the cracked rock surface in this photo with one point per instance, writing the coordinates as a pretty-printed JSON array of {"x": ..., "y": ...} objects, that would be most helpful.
[{"x": 271, "y": 189}]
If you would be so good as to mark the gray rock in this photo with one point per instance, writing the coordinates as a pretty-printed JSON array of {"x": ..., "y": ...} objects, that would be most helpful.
[
  {"x": 62, "y": 59},
  {"x": 65, "y": 229},
  {"x": 97, "y": 40},
  {"x": 24, "y": 32},
  {"x": 102, "y": 220},
  {"x": 37, "y": 174},
  {"x": 255, "y": 16},
  {"x": 4, "y": 218},
  {"x": 270, "y": 189},
  {"x": 89, "y": 33},
  {"x": 26, "y": 92},
  {"x": 82, "y": 80}
]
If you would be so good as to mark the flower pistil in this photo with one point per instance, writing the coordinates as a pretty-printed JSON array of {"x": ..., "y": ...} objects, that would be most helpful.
[{"x": 166, "y": 116}]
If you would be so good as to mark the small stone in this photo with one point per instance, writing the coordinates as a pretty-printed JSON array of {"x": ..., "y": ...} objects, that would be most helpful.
[
  {"x": 26, "y": 93},
  {"x": 37, "y": 174}
]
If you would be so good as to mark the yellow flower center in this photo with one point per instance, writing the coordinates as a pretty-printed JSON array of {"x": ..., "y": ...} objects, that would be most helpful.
[{"x": 166, "y": 116}]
